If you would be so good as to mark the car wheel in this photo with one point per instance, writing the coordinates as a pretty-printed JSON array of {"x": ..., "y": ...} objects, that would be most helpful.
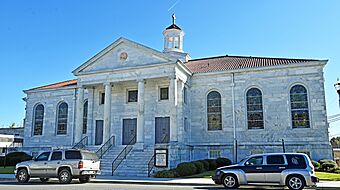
[
  {"x": 22, "y": 176},
  {"x": 230, "y": 181},
  {"x": 295, "y": 183},
  {"x": 44, "y": 180},
  {"x": 84, "y": 179},
  {"x": 65, "y": 176}
]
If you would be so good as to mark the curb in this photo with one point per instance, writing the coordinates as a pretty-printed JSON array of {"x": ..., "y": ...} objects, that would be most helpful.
[{"x": 150, "y": 182}]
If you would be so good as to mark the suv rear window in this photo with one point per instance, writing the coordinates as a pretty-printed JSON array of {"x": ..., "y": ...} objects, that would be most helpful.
[
  {"x": 275, "y": 159},
  {"x": 73, "y": 154},
  {"x": 296, "y": 161},
  {"x": 89, "y": 156}
]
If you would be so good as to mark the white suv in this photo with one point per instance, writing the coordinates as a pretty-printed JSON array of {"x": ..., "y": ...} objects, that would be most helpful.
[{"x": 62, "y": 164}]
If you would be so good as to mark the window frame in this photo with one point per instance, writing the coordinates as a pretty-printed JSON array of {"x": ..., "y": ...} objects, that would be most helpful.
[
  {"x": 207, "y": 111},
  {"x": 66, "y": 119},
  {"x": 61, "y": 155},
  {"x": 160, "y": 93},
  {"x": 246, "y": 107},
  {"x": 128, "y": 95},
  {"x": 308, "y": 106},
  {"x": 48, "y": 157},
  {"x": 284, "y": 160},
  {"x": 34, "y": 119},
  {"x": 85, "y": 116},
  {"x": 245, "y": 163},
  {"x": 101, "y": 98}
]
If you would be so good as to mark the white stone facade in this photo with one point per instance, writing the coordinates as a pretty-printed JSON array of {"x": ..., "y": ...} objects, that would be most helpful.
[{"x": 126, "y": 65}]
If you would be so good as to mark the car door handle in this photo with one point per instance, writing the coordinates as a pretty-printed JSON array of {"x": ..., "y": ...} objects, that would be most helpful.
[
  {"x": 282, "y": 168},
  {"x": 258, "y": 168},
  {"x": 45, "y": 163},
  {"x": 58, "y": 162}
]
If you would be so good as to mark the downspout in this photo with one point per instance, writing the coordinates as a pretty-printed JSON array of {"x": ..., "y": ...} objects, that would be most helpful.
[
  {"x": 234, "y": 116},
  {"x": 74, "y": 115}
]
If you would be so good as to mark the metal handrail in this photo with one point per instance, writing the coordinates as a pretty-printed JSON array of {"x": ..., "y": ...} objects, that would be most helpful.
[
  {"x": 151, "y": 163},
  {"x": 106, "y": 146},
  {"x": 81, "y": 144},
  {"x": 123, "y": 154}
]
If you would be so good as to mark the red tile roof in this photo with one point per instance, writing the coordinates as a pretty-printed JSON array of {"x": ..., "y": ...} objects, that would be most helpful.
[
  {"x": 56, "y": 85},
  {"x": 213, "y": 64},
  {"x": 223, "y": 63}
]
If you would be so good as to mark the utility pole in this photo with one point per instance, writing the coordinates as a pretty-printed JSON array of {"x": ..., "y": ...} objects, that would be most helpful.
[{"x": 337, "y": 88}]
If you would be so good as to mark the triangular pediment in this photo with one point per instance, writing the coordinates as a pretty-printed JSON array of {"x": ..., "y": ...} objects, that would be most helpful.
[{"x": 122, "y": 54}]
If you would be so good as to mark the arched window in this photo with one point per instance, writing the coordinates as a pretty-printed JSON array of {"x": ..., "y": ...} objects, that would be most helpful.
[
  {"x": 86, "y": 105},
  {"x": 38, "y": 120},
  {"x": 214, "y": 111},
  {"x": 299, "y": 107},
  {"x": 62, "y": 119},
  {"x": 254, "y": 109}
]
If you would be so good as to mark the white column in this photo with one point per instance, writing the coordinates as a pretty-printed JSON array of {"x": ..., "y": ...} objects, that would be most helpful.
[
  {"x": 140, "y": 116},
  {"x": 173, "y": 107},
  {"x": 107, "y": 112},
  {"x": 79, "y": 115}
]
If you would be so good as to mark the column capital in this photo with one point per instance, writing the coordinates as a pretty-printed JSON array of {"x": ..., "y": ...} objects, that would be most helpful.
[
  {"x": 140, "y": 80},
  {"x": 80, "y": 86},
  {"x": 173, "y": 76},
  {"x": 107, "y": 83}
]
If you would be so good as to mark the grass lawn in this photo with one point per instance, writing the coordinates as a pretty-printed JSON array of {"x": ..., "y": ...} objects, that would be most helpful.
[
  {"x": 322, "y": 175},
  {"x": 7, "y": 170},
  {"x": 206, "y": 174},
  {"x": 328, "y": 176}
]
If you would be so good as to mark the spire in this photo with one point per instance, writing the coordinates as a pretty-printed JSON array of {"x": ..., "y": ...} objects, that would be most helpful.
[{"x": 173, "y": 18}]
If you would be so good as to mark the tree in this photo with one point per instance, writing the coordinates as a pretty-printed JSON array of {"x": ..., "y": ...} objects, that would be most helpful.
[
  {"x": 12, "y": 125},
  {"x": 335, "y": 142}
]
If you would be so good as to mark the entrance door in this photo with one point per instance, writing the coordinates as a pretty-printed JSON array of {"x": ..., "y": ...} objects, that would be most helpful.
[
  {"x": 129, "y": 131},
  {"x": 162, "y": 130},
  {"x": 99, "y": 132}
]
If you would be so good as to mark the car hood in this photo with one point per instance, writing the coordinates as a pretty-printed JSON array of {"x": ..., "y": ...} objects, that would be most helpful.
[
  {"x": 235, "y": 166},
  {"x": 25, "y": 163}
]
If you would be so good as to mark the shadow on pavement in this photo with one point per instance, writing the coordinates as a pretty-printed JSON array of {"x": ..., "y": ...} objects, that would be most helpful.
[{"x": 264, "y": 188}]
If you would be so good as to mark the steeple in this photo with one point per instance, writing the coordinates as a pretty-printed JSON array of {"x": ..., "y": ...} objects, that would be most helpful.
[{"x": 173, "y": 37}]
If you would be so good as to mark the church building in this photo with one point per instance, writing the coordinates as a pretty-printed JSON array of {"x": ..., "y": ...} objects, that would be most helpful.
[{"x": 165, "y": 107}]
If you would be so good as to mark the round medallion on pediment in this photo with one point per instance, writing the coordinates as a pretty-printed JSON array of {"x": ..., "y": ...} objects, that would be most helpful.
[{"x": 123, "y": 56}]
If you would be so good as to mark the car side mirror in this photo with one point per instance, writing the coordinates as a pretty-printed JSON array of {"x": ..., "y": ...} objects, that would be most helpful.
[{"x": 247, "y": 164}]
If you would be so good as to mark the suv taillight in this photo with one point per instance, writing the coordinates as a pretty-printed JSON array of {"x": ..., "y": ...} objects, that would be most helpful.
[{"x": 80, "y": 165}]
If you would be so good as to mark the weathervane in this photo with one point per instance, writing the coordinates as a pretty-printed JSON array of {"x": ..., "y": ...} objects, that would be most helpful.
[{"x": 173, "y": 18}]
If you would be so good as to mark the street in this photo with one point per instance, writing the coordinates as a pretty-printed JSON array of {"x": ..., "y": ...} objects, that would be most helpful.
[{"x": 36, "y": 185}]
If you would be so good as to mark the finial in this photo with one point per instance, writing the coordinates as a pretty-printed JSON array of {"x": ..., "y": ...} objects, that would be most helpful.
[{"x": 173, "y": 18}]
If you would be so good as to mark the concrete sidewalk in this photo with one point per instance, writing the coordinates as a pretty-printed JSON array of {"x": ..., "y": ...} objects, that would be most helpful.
[{"x": 155, "y": 181}]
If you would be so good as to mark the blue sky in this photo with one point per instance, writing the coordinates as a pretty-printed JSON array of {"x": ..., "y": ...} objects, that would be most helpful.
[{"x": 41, "y": 42}]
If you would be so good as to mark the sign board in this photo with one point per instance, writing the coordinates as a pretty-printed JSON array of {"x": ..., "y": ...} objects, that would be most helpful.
[{"x": 161, "y": 157}]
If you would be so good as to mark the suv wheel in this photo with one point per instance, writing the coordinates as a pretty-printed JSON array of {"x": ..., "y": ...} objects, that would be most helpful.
[
  {"x": 295, "y": 183},
  {"x": 22, "y": 176},
  {"x": 44, "y": 180},
  {"x": 84, "y": 179},
  {"x": 230, "y": 181},
  {"x": 65, "y": 176}
]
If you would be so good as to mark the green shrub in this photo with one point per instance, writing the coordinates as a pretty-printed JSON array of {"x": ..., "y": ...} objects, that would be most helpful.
[
  {"x": 212, "y": 164},
  {"x": 328, "y": 166},
  {"x": 316, "y": 165},
  {"x": 165, "y": 174},
  {"x": 336, "y": 170},
  {"x": 15, "y": 157},
  {"x": 199, "y": 167},
  {"x": 324, "y": 161},
  {"x": 222, "y": 162},
  {"x": 205, "y": 164},
  {"x": 186, "y": 169}
]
